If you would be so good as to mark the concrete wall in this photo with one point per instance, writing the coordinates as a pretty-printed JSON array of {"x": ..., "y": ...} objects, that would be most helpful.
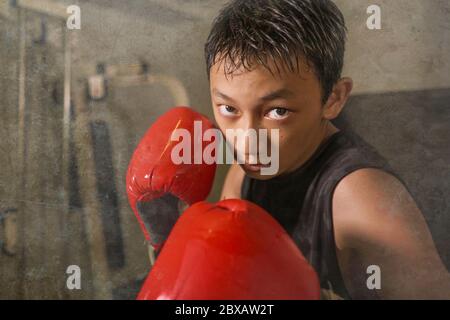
[{"x": 409, "y": 53}]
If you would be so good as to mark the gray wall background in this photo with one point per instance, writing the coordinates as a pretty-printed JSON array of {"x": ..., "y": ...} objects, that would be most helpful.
[{"x": 400, "y": 105}]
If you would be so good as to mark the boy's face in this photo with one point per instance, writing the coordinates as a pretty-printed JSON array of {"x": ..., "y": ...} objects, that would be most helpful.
[{"x": 287, "y": 101}]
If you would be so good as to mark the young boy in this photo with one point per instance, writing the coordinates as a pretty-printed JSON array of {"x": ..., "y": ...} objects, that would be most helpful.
[{"x": 277, "y": 65}]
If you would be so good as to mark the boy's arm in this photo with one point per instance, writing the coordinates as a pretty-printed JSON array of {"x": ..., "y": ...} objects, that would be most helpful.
[
  {"x": 377, "y": 222},
  {"x": 233, "y": 183}
]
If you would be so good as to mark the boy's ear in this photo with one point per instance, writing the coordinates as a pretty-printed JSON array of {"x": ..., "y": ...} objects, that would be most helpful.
[{"x": 337, "y": 99}]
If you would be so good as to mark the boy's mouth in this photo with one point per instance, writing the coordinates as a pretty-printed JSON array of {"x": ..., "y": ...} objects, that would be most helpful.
[{"x": 254, "y": 167}]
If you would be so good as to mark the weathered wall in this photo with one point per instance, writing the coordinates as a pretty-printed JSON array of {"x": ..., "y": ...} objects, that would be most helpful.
[{"x": 400, "y": 105}]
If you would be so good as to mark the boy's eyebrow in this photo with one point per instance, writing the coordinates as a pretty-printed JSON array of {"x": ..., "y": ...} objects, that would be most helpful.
[
  {"x": 281, "y": 93},
  {"x": 219, "y": 94}
]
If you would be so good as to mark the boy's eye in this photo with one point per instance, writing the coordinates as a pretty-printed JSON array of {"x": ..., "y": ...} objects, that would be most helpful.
[
  {"x": 278, "y": 113},
  {"x": 227, "y": 111}
]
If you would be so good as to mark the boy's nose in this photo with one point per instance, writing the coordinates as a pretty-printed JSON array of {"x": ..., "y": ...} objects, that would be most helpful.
[{"x": 250, "y": 121}]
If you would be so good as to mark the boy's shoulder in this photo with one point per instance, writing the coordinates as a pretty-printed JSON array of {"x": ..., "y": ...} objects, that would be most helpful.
[{"x": 367, "y": 196}]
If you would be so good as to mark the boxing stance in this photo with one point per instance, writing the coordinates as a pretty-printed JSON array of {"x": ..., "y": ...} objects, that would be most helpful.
[
  {"x": 229, "y": 250},
  {"x": 276, "y": 65}
]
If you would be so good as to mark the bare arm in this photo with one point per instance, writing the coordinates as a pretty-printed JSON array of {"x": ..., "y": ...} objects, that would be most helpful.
[
  {"x": 377, "y": 222},
  {"x": 233, "y": 183}
]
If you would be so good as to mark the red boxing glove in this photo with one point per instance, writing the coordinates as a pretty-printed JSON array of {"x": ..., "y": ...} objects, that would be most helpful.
[
  {"x": 155, "y": 184},
  {"x": 232, "y": 250}
]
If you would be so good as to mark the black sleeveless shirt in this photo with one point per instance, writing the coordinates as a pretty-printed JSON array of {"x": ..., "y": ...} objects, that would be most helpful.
[{"x": 301, "y": 201}]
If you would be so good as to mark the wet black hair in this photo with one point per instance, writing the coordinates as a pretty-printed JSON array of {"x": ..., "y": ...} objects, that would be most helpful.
[{"x": 249, "y": 32}]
